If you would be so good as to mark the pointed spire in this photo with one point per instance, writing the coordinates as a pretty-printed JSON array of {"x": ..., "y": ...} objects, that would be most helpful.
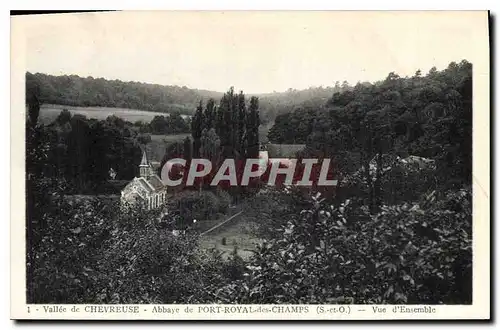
[{"x": 144, "y": 161}]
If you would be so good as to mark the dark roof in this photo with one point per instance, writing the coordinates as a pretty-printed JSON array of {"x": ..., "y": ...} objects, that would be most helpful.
[
  {"x": 145, "y": 185},
  {"x": 156, "y": 182}
]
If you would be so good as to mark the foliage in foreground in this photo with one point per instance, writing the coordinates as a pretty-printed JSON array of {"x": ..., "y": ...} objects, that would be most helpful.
[
  {"x": 410, "y": 253},
  {"x": 87, "y": 255}
]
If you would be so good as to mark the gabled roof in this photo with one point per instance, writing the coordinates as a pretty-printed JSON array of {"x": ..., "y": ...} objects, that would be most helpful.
[
  {"x": 145, "y": 184},
  {"x": 151, "y": 185},
  {"x": 156, "y": 182},
  {"x": 137, "y": 182}
]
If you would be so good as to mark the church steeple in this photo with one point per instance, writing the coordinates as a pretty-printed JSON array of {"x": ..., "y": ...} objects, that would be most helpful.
[
  {"x": 145, "y": 169},
  {"x": 144, "y": 161}
]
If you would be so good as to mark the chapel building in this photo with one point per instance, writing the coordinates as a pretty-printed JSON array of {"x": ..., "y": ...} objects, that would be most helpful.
[{"x": 147, "y": 190}]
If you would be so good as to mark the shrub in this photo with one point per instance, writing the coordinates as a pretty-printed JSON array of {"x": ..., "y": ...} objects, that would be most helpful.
[
  {"x": 410, "y": 253},
  {"x": 399, "y": 181},
  {"x": 93, "y": 253},
  {"x": 69, "y": 249},
  {"x": 224, "y": 200},
  {"x": 203, "y": 205},
  {"x": 273, "y": 207}
]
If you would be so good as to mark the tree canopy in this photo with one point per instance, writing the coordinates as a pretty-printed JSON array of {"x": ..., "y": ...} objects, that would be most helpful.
[{"x": 428, "y": 116}]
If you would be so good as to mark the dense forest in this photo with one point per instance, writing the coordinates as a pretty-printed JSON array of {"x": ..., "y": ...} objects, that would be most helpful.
[
  {"x": 274, "y": 104},
  {"x": 397, "y": 231},
  {"x": 423, "y": 115}
]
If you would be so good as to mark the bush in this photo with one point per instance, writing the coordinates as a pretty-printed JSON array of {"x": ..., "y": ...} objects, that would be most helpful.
[
  {"x": 224, "y": 200},
  {"x": 411, "y": 254},
  {"x": 399, "y": 181},
  {"x": 70, "y": 246},
  {"x": 273, "y": 207},
  {"x": 203, "y": 205},
  {"x": 93, "y": 253}
]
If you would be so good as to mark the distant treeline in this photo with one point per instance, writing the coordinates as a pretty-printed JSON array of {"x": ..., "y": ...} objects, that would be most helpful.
[
  {"x": 274, "y": 104},
  {"x": 77, "y": 91},
  {"x": 73, "y": 90}
]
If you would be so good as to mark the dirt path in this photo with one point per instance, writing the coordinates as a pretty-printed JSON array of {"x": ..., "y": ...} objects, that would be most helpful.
[{"x": 221, "y": 224}]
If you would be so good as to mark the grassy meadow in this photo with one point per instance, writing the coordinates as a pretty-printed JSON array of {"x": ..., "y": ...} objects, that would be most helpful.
[
  {"x": 284, "y": 150},
  {"x": 49, "y": 112}
]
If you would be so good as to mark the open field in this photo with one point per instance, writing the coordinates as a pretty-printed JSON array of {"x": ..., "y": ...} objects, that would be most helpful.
[
  {"x": 274, "y": 149},
  {"x": 169, "y": 138},
  {"x": 284, "y": 150},
  {"x": 49, "y": 112}
]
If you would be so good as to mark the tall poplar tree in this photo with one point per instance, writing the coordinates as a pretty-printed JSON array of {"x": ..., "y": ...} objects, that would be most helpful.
[
  {"x": 210, "y": 115},
  {"x": 197, "y": 128},
  {"x": 188, "y": 149},
  {"x": 252, "y": 128},
  {"x": 234, "y": 122},
  {"x": 226, "y": 120},
  {"x": 219, "y": 119},
  {"x": 242, "y": 117}
]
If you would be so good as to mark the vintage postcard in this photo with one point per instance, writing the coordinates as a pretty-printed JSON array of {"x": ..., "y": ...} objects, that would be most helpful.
[{"x": 250, "y": 165}]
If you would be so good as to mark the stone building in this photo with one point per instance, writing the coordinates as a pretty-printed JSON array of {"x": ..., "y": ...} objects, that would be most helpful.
[{"x": 147, "y": 190}]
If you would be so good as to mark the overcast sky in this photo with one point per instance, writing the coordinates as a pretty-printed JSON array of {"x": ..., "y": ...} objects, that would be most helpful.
[{"x": 252, "y": 51}]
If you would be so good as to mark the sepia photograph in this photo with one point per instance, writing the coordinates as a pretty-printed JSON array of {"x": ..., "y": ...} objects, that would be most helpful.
[{"x": 250, "y": 159}]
